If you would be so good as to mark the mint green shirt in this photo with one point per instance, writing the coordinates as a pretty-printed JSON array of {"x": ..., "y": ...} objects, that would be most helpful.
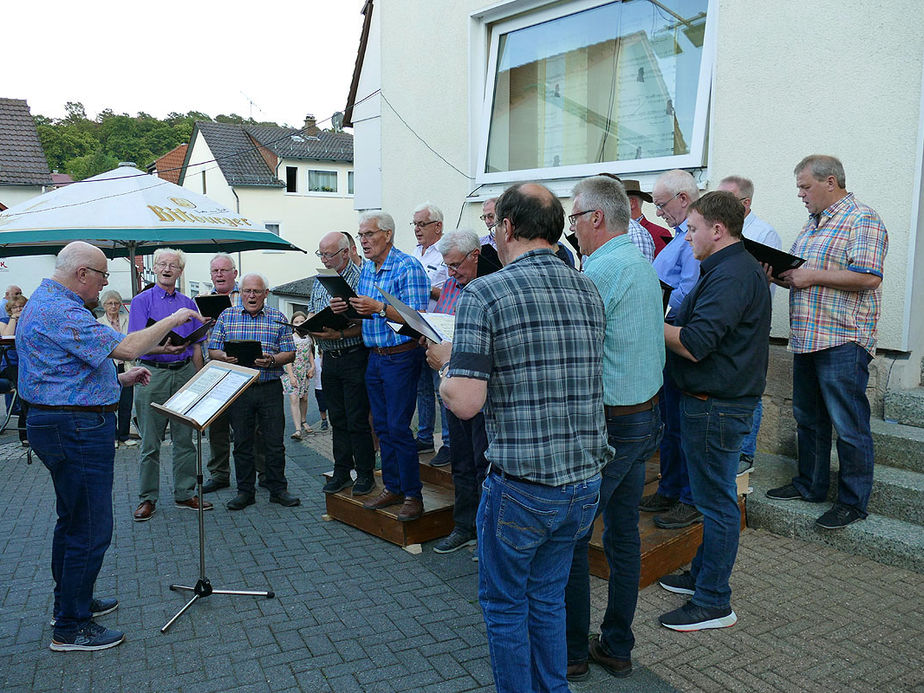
[{"x": 633, "y": 354}]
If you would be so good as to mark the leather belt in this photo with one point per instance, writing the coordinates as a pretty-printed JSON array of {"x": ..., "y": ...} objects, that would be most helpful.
[
  {"x": 400, "y": 349},
  {"x": 337, "y": 353},
  {"x": 510, "y": 477},
  {"x": 96, "y": 408},
  {"x": 169, "y": 365},
  {"x": 626, "y": 409},
  {"x": 696, "y": 395}
]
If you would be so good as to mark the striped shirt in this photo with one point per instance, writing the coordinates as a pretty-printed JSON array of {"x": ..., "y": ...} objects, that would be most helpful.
[
  {"x": 847, "y": 235},
  {"x": 448, "y": 297},
  {"x": 642, "y": 240},
  {"x": 534, "y": 331},
  {"x": 268, "y": 326},
  {"x": 633, "y": 354},
  {"x": 404, "y": 278},
  {"x": 320, "y": 299}
]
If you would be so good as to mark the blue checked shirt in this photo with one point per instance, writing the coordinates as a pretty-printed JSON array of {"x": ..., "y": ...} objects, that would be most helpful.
[
  {"x": 534, "y": 331},
  {"x": 403, "y": 277},
  {"x": 320, "y": 299},
  {"x": 269, "y": 327}
]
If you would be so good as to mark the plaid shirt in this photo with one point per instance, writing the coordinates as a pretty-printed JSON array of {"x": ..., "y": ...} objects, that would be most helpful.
[
  {"x": 404, "y": 278},
  {"x": 320, "y": 299},
  {"x": 534, "y": 331},
  {"x": 847, "y": 235},
  {"x": 269, "y": 327},
  {"x": 642, "y": 240}
]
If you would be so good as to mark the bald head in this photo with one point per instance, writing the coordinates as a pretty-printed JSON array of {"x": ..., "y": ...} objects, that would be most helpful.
[
  {"x": 12, "y": 291},
  {"x": 76, "y": 255},
  {"x": 82, "y": 268},
  {"x": 335, "y": 250},
  {"x": 533, "y": 212}
]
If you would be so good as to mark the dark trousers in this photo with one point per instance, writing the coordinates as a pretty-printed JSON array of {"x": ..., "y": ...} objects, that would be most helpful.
[
  {"x": 675, "y": 479},
  {"x": 392, "y": 385},
  {"x": 635, "y": 438},
  {"x": 343, "y": 380},
  {"x": 469, "y": 466},
  {"x": 259, "y": 405},
  {"x": 126, "y": 397}
]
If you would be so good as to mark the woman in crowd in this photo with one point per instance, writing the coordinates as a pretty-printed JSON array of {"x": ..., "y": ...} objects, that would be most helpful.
[
  {"x": 10, "y": 369},
  {"x": 297, "y": 379},
  {"x": 117, "y": 319}
]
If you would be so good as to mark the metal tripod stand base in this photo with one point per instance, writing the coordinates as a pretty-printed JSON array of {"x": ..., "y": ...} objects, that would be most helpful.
[{"x": 202, "y": 589}]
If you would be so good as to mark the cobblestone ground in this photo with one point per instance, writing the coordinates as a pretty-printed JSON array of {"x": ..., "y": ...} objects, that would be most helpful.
[{"x": 353, "y": 613}]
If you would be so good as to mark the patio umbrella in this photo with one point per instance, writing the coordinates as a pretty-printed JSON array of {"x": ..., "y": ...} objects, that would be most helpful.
[{"x": 126, "y": 212}]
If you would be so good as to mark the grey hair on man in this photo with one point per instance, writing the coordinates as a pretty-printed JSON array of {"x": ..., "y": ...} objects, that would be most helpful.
[
  {"x": 678, "y": 181},
  {"x": 821, "y": 166},
  {"x": 258, "y": 275},
  {"x": 383, "y": 220},
  {"x": 462, "y": 240},
  {"x": 609, "y": 196},
  {"x": 434, "y": 213},
  {"x": 745, "y": 185},
  {"x": 225, "y": 256},
  {"x": 180, "y": 255}
]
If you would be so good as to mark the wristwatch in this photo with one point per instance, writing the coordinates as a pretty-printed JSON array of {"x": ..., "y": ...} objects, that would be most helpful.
[
  {"x": 382, "y": 312},
  {"x": 444, "y": 369}
]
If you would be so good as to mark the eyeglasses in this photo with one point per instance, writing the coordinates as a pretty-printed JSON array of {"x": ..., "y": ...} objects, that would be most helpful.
[
  {"x": 217, "y": 270},
  {"x": 253, "y": 292},
  {"x": 93, "y": 269},
  {"x": 328, "y": 256},
  {"x": 368, "y": 234},
  {"x": 166, "y": 265},
  {"x": 662, "y": 205},
  {"x": 487, "y": 218},
  {"x": 421, "y": 224},
  {"x": 454, "y": 266},
  {"x": 574, "y": 217}
]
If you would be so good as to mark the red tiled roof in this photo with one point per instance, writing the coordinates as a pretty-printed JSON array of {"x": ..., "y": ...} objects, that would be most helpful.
[{"x": 170, "y": 164}]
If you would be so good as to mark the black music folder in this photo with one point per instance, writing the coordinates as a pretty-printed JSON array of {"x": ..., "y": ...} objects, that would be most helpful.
[
  {"x": 326, "y": 318},
  {"x": 175, "y": 339},
  {"x": 211, "y": 305},
  {"x": 778, "y": 260},
  {"x": 246, "y": 351}
]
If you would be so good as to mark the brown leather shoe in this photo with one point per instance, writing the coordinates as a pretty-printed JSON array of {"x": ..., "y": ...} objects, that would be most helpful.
[
  {"x": 193, "y": 504},
  {"x": 411, "y": 510},
  {"x": 143, "y": 512},
  {"x": 616, "y": 667},
  {"x": 578, "y": 671},
  {"x": 383, "y": 500}
]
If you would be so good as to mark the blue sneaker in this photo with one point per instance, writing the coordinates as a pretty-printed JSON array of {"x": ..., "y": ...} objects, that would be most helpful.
[
  {"x": 91, "y": 637},
  {"x": 98, "y": 607}
]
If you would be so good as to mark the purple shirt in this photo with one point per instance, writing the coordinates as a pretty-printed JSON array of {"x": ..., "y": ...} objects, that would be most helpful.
[
  {"x": 157, "y": 304},
  {"x": 64, "y": 351}
]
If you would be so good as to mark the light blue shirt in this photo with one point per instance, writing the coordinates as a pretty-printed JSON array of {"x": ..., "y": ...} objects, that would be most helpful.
[
  {"x": 758, "y": 230},
  {"x": 633, "y": 354},
  {"x": 676, "y": 266}
]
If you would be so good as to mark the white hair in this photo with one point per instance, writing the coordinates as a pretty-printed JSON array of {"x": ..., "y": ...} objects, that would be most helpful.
[
  {"x": 226, "y": 256},
  {"x": 383, "y": 220},
  {"x": 434, "y": 213},
  {"x": 73, "y": 256},
  {"x": 180, "y": 255},
  {"x": 260, "y": 276},
  {"x": 463, "y": 240},
  {"x": 678, "y": 181}
]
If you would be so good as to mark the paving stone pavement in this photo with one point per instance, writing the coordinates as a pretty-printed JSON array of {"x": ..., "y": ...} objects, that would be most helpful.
[{"x": 353, "y": 613}]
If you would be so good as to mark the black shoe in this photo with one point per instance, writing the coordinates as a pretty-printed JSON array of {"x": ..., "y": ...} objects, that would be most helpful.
[
  {"x": 441, "y": 459},
  {"x": 577, "y": 671},
  {"x": 364, "y": 486},
  {"x": 838, "y": 517},
  {"x": 615, "y": 666},
  {"x": 213, "y": 485},
  {"x": 336, "y": 484},
  {"x": 681, "y": 515},
  {"x": 679, "y": 584},
  {"x": 787, "y": 492},
  {"x": 745, "y": 464},
  {"x": 240, "y": 501},
  {"x": 424, "y": 447},
  {"x": 692, "y": 617},
  {"x": 285, "y": 499},
  {"x": 656, "y": 503},
  {"x": 456, "y": 540}
]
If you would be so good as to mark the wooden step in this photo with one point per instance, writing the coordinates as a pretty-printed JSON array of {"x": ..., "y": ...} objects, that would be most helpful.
[
  {"x": 438, "y": 476},
  {"x": 435, "y": 522}
]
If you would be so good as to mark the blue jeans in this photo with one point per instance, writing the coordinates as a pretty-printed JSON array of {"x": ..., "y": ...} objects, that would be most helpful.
[
  {"x": 712, "y": 431},
  {"x": 675, "y": 480},
  {"x": 635, "y": 438},
  {"x": 749, "y": 446},
  {"x": 829, "y": 388},
  {"x": 78, "y": 448},
  {"x": 392, "y": 396},
  {"x": 427, "y": 386},
  {"x": 526, "y": 537}
]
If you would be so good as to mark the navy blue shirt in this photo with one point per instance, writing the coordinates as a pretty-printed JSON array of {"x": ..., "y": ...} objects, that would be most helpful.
[{"x": 725, "y": 325}]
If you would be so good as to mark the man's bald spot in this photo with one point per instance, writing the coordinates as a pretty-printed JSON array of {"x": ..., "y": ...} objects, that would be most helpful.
[
  {"x": 77, "y": 254},
  {"x": 335, "y": 237},
  {"x": 539, "y": 191}
]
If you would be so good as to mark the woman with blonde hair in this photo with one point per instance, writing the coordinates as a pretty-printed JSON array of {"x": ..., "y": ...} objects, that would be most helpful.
[{"x": 117, "y": 319}]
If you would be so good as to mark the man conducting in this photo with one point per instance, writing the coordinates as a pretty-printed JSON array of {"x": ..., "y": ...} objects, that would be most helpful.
[
  {"x": 260, "y": 405},
  {"x": 718, "y": 348},
  {"x": 633, "y": 360},
  {"x": 538, "y": 368},
  {"x": 68, "y": 376}
]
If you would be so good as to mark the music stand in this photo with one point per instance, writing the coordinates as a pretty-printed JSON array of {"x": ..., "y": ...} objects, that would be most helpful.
[{"x": 197, "y": 404}]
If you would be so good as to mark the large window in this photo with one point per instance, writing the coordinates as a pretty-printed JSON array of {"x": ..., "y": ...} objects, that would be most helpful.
[
  {"x": 322, "y": 181},
  {"x": 582, "y": 86}
]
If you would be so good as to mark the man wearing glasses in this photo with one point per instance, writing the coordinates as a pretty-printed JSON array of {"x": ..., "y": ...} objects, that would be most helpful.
[
  {"x": 395, "y": 361},
  {"x": 343, "y": 378},
  {"x": 171, "y": 367},
  {"x": 673, "y": 194},
  {"x": 428, "y": 228}
]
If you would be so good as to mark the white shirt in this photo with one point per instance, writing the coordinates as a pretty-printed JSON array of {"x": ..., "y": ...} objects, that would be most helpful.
[
  {"x": 437, "y": 272},
  {"x": 758, "y": 230}
]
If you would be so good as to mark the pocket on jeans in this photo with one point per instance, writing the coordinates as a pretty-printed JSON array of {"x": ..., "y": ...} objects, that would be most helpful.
[
  {"x": 588, "y": 515},
  {"x": 46, "y": 442},
  {"x": 521, "y": 525},
  {"x": 89, "y": 422}
]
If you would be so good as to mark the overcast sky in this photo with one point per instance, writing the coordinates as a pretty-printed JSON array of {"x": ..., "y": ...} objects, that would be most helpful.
[{"x": 290, "y": 57}]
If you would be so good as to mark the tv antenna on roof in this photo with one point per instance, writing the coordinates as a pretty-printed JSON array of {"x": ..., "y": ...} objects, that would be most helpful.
[{"x": 252, "y": 105}]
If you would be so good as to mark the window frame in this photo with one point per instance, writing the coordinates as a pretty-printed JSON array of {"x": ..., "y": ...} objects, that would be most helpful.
[
  {"x": 336, "y": 173},
  {"x": 293, "y": 171},
  {"x": 486, "y": 28}
]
